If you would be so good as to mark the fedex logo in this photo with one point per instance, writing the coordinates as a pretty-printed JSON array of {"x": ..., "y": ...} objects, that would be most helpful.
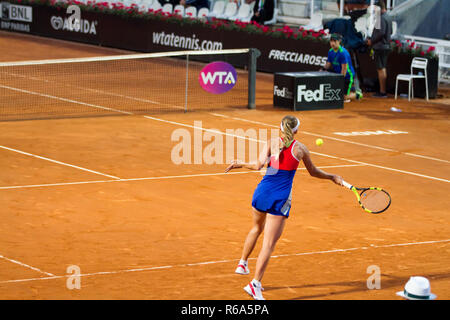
[
  {"x": 283, "y": 93},
  {"x": 324, "y": 93},
  {"x": 218, "y": 77}
]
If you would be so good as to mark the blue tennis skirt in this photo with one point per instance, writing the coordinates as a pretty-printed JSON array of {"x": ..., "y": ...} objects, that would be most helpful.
[{"x": 274, "y": 193}]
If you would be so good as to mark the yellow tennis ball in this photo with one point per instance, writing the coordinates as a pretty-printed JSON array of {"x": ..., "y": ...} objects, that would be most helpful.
[{"x": 319, "y": 142}]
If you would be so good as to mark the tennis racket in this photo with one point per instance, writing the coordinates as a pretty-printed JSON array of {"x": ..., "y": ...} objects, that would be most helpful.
[{"x": 372, "y": 200}]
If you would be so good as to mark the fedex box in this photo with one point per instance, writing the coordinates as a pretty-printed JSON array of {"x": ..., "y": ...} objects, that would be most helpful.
[{"x": 308, "y": 90}]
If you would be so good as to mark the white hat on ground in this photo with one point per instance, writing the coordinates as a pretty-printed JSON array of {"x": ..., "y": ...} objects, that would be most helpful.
[{"x": 417, "y": 288}]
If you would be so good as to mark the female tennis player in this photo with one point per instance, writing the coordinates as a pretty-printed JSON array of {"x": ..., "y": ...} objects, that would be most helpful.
[{"x": 273, "y": 196}]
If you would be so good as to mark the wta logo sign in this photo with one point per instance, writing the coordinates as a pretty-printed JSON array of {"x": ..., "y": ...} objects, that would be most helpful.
[{"x": 217, "y": 77}]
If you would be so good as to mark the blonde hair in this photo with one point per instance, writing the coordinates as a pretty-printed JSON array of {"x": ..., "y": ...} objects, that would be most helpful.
[{"x": 288, "y": 123}]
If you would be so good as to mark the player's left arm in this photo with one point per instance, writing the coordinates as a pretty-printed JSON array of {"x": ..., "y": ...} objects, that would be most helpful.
[{"x": 302, "y": 152}]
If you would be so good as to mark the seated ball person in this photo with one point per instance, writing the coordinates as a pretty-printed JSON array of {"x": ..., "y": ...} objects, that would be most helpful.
[{"x": 339, "y": 61}]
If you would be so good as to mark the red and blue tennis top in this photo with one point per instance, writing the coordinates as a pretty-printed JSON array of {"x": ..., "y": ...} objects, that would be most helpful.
[{"x": 274, "y": 193}]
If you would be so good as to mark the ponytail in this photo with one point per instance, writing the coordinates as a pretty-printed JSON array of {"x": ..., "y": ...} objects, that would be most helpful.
[{"x": 289, "y": 125}]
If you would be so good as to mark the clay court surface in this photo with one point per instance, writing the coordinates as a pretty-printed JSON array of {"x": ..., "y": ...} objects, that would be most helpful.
[{"x": 102, "y": 193}]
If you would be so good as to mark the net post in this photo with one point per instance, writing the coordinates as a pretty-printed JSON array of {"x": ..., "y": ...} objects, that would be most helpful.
[
  {"x": 187, "y": 84},
  {"x": 253, "y": 55}
]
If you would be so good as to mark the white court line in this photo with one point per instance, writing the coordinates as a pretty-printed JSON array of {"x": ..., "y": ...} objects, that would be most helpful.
[
  {"x": 370, "y": 246},
  {"x": 212, "y": 113},
  {"x": 58, "y": 162},
  {"x": 160, "y": 178},
  {"x": 228, "y": 134},
  {"x": 64, "y": 99},
  {"x": 317, "y": 153},
  {"x": 333, "y": 138},
  {"x": 91, "y": 90},
  {"x": 26, "y": 266}
]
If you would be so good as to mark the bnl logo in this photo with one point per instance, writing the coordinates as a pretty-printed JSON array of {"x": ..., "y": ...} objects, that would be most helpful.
[
  {"x": 16, "y": 12},
  {"x": 324, "y": 93}
]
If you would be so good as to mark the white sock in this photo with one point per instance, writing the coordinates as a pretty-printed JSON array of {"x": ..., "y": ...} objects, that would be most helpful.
[
  {"x": 243, "y": 262},
  {"x": 256, "y": 283}
]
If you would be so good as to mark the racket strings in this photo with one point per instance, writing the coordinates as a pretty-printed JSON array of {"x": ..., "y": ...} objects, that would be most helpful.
[{"x": 375, "y": 200}]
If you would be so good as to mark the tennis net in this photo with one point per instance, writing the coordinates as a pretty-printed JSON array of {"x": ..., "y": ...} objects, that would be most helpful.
[{"x": 124, "y": 84}]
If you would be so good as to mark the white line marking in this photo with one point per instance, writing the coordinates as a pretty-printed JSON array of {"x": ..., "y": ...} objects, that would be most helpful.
[
  {"x": 317, "y": 153},
  {"x": 336, "y": 139},
  {"x": 425, "y": 157},
  {"x": 371, "y": 246},
  {"x": 26, "y": 266},
  {"x": 58, "y": 162},
  {"x": 65, "y": 100},
  {"x": 383, "y": 167},
  {"x": 90, "y": 90},
  {"x": 250, "y": 139},
  {"x": 159, "y": 178}
]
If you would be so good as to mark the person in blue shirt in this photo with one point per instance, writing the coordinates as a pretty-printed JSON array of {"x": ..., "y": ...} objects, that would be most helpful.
[{"x": 339, "y": 61}]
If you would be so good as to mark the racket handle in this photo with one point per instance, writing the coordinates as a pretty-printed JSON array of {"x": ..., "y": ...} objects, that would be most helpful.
[{"x": 347, "y": 185}]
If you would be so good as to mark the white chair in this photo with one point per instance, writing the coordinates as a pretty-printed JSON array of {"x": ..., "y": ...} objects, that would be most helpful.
[
  {"x": 244, "y": 13},
  {"x": 167, "y": 8},
  {"x": 145, "y": 5},
  {"x": 417, "y": 63},
  {"x": 230, "y": 10},
  {"x": 127, "y": 3},
  {"x": 218, "y": 9},
  {"x": 315, "y": 23},
  {"x": 372, "y": 19},
  {"x": 156, "y": 6},
  {"x": 274, "y": 17},
  {"x": 179, "y": 10},
  {"x": 394, "y": 29},
  {"x": 361, "y": 26},
  {"x": 191, "y": 12},
  {"x": 203, "y": 13}
]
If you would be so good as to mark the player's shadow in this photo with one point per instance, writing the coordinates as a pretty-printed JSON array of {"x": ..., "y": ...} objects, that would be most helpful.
[{"x": 387, "y": 281}]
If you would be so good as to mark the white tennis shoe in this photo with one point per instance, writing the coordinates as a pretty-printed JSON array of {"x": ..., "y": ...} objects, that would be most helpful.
[
  {"x": 242, "y": 269},
  {"x": 254, "y": 290}
]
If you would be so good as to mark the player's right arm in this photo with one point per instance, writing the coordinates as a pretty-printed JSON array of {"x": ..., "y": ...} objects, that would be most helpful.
[
  {"x": 302, "y": 153},
  {"x": 260, "y": 162}
]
